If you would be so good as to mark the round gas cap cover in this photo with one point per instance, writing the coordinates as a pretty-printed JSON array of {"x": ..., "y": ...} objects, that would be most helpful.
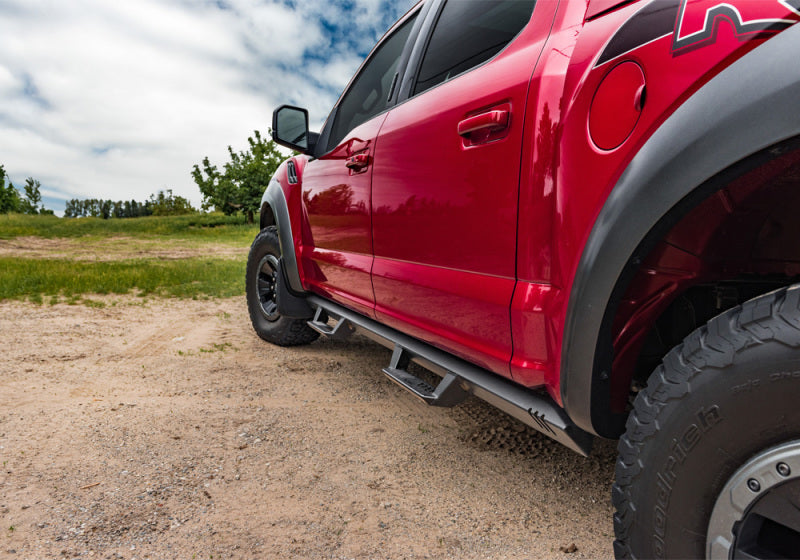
[{"x": 617, "y": 105}]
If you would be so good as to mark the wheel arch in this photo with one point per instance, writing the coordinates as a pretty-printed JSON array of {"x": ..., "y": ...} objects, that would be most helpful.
[
  {"x": 267, "y": 216},
  {"x": 727, "y": 128}
]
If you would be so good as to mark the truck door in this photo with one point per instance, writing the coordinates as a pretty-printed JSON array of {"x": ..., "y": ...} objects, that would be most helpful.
[
  {"x": 337, "y": 252},
  {"x": 446, "y": 178}
]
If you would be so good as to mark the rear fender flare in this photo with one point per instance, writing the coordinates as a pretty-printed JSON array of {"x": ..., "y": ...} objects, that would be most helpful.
[{"x": 732, "y": 124}]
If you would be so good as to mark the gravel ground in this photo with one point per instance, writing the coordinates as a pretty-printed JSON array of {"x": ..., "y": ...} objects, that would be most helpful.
[{"x": 167, "y": 429}]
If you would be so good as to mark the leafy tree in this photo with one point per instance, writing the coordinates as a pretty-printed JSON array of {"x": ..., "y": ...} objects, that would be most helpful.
[
  {"x": 118, "y": 210},
  {"x": 105, "y": 208},
  {"x": 12, "y": 201},
  {"x": 239, "y": 187},
  {"x": 30, "y": 204},
  {"x": 168, "y": 204},
  {"x": 9, "y": 197},
  {"x": 70, "y": 208}
]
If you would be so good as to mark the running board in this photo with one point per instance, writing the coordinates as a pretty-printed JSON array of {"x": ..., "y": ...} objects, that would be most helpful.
[{"x": 459, "y": 377}]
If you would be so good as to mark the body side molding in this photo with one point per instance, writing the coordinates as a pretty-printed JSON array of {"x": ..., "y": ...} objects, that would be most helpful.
[{"x": 685, "y": 157}]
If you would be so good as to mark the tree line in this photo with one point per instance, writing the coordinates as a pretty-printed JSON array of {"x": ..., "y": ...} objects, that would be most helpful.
[
  {"x": 235, "y": 188},
  {"x": 27, "y": 202},
  {"x": 165, "y": 203}
]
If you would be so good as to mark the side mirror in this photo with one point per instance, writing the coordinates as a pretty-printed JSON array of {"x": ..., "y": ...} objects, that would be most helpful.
[{"x": 290, "y": 129}]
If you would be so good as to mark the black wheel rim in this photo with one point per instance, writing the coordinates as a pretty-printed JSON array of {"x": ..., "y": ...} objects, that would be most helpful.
[
  {"x": 757, "y": 514},
  {"x": 266, "y": 286}
]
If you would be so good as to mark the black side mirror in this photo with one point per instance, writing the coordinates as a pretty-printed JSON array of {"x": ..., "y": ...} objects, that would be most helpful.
[{"x": 290, "y": 129}]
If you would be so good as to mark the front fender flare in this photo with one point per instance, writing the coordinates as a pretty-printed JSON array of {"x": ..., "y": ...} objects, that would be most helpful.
[{"x": 275, "y": 200}]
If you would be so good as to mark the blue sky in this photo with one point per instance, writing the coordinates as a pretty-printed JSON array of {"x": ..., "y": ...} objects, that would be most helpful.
[{"x": 118, "y": 100}]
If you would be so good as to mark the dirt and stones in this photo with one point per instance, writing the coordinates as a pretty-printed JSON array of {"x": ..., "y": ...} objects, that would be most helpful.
[
  {"x": 167, "y": 429},
  {"x": 115, "y": 248}
]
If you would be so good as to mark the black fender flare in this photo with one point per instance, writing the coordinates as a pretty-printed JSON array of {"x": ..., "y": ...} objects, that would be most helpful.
[
  {"x": 274, "y": 205},
  {"x": 726, "y": 128}
]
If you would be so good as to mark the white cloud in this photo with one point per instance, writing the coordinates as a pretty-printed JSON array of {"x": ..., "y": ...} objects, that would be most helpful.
[
  {"x": 118, "y": 100},
  {"x": 8, "y": 83}
]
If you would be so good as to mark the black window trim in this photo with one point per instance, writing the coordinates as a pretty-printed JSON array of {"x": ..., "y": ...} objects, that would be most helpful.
[
  {"x": 417, "y": 53},
  {"x": 421, "y": 12}
]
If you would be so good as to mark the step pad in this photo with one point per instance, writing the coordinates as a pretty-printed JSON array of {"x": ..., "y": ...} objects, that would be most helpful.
[
  {"x": 340, "y": 330},
  {"x": 447, "y": 393}
]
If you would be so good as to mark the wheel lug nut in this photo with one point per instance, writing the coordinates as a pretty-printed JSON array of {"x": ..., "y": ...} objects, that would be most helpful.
[
  {"x": 783, "y": 469},
  {"x": 754, "y": 485}
]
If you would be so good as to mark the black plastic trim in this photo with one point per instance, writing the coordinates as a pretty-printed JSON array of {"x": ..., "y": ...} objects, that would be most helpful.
[
  {"x": 310, "y": 139},
  {"x": 420, "y": 25},
  {"x": 291, "y": 172},
  {"x": 431, "y": 16},
  {"x": 748, "y": 108},
  {"x": 289, "y": 304}
]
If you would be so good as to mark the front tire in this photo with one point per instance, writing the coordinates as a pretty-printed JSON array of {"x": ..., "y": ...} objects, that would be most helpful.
[
  {"x": 260, "y": 284},
  {"x": 712, "y": 419}
]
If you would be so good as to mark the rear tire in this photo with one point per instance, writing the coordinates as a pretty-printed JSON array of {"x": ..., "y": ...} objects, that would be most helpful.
[
  {"x": 261, "y": 277},
  {"x": 720, "y": 405}
]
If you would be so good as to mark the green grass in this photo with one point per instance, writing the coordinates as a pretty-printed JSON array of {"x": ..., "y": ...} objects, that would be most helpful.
[
  {"x": 124, "y": 256},
  {"x": 35, "y": 279},
  {"x": 215, "y": 228}
]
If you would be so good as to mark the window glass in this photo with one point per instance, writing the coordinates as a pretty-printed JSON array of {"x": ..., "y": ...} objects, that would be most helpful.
[
  {"x": 369, "y": 93},
  {"x": 468, "y": 33}
]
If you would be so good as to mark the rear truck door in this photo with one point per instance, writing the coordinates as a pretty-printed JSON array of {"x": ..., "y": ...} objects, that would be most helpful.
[
  {"x": 445, "y": 180},
  {"x": 337, "y": 245}
]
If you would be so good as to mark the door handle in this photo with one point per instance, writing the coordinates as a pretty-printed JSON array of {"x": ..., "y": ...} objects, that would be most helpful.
[
  {"x": 357, "y": 162},
  {"x": 485, "y": 123}
]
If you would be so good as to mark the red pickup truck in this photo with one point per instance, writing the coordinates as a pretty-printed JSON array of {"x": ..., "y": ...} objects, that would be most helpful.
[{"x": 587, "y": 213}]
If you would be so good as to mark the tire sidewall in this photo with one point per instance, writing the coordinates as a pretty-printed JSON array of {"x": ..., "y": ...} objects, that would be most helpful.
[
  {"x": 729, "y": 415},
  {"x": 264, "y": 244},
  {"x": 284, "y": 331}
]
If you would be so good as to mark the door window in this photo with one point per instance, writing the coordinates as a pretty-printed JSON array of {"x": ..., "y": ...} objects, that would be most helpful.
[
  {"x": 468, "y": 33},
  {"x": 370, "y": 91}
]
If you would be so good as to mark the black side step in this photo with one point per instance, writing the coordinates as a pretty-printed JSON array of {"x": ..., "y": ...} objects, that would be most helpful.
[
  {"x": 447, "y": 393},
  {"x": 340, "y": 329},
  {"x": 459, "y": 377}
]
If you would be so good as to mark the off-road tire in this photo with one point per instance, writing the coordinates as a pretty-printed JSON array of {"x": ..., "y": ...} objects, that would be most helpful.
[
  {"x": 276, "y": 329},
  {"x": 730, "y": 391}
]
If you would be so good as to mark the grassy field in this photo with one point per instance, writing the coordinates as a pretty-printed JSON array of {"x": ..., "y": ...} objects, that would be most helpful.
[
  {"x": 215, "y": 228},
  {"x": 49, "y": 259}
]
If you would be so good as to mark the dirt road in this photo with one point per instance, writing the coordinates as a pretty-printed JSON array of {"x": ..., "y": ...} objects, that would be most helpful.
[{"x": 167, "y": 429}]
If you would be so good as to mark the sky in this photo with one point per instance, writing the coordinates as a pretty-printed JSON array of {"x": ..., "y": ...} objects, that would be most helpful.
[{"x": 119, "y": 100}]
